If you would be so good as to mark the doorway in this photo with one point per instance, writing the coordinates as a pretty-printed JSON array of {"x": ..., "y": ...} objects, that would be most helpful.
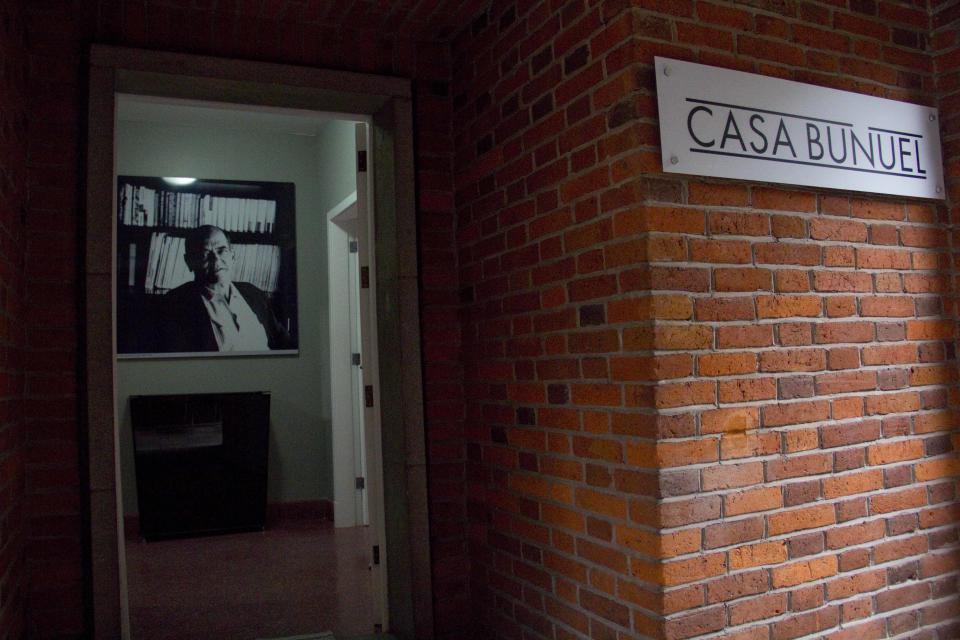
[
  {"x": 225, "y": 164},
  {"x": 392, "y": 402}
]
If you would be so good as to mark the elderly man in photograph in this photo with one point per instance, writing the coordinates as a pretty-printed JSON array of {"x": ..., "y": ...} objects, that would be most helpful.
[{"x": 214, "y": 313}]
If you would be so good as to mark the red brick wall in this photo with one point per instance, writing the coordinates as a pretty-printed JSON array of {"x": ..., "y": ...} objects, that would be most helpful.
[
  {"x": 13, "y": 209},
  {"x": 694, "y": 404},
  {"x": 347, "y": 36},
  {"x": 54, "y": 557},
  {"x": 945, "y": 46}
]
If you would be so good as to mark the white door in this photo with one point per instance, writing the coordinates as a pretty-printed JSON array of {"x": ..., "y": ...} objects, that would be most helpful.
[
  {"x": 370, "y": 376},
  {"x": 358, "y": 486},
  {"x": 360, "y": 505}
]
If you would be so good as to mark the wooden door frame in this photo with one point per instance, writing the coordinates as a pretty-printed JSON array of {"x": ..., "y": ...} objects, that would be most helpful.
[{"x": 388, "y": 102}]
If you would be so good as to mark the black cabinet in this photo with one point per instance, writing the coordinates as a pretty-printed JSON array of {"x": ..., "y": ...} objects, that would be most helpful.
[{"x": 201, "y": 462}]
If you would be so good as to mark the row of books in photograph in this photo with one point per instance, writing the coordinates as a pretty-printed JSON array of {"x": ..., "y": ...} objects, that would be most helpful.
[
  {"x": 145, "y": 207},
  {"x": 258, "y": 264}
]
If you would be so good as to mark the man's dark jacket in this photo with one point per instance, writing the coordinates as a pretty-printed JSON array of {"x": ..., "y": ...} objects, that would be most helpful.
[{"x": 185, "y": 323}]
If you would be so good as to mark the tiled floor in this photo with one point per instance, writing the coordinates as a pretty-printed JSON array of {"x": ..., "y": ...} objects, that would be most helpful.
[{"x": 293, "y": 579}]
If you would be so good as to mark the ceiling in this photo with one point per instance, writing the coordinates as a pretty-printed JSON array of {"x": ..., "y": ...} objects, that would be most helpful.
[{"x": 219, "y": 115}]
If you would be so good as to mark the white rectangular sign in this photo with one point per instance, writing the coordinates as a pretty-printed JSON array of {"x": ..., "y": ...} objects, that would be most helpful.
[{"x": 730, "y": 124}]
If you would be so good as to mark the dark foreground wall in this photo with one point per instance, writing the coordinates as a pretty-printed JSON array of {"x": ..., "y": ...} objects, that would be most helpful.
[
  {"x": 13, "y": 209},
  {"x": 336, "y": 35}
]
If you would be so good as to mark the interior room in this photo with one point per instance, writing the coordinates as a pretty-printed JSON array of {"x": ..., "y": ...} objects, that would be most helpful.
[{"x": 292, "y": 557}]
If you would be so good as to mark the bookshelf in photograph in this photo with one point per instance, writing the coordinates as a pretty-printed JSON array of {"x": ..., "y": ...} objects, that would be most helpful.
[{"x": 154, "y": 222}]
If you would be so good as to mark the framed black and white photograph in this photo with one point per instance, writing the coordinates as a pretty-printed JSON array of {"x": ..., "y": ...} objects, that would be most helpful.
[{"x": 205, "y": 267}]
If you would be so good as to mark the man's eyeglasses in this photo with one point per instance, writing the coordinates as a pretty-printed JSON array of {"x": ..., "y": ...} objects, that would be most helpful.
[{"x": 207, "y": 256}]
